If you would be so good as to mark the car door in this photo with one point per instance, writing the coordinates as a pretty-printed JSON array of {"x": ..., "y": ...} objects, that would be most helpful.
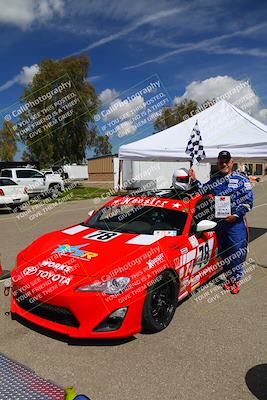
[
  {"x": 204, "y": 243},
  {"x": 33, "y": 179}
]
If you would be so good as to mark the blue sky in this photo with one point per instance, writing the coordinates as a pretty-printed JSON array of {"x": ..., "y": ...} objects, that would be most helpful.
[{"x": 194, "y": 47}]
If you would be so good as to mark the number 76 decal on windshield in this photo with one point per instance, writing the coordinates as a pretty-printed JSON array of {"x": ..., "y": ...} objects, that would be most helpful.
[{"x": 102, "y": 236}]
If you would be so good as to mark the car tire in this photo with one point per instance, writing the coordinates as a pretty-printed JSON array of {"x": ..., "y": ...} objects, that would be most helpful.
[
  {"x": 16, "y": 208},
  {"x": 160, "y": 303},
  {"x": 54, "y": 191}
]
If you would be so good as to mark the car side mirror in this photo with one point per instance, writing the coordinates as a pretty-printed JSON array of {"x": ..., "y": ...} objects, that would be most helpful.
[{"x": 206, "y": 225}]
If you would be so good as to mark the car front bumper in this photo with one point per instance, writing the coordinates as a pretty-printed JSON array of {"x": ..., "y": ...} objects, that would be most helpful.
[{"x": 78, "y": 314}]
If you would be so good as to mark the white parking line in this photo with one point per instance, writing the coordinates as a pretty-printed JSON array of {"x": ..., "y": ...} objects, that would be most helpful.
[
  {"x": 5, "y": 281},
  {"x": 260, "y": 205}
]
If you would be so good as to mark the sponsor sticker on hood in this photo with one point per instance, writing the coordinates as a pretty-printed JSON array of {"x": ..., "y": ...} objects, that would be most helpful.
[{"x": 75, "y": 251}]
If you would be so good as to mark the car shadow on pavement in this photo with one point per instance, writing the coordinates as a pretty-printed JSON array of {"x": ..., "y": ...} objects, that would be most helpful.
[
  {"x": 71, "y": 341},
  {"x": 256, "y": 380},
  {"x": 255, "y": 233},
  {"x": 5, "y": 275},
  {"x": 5, "y": 211}
]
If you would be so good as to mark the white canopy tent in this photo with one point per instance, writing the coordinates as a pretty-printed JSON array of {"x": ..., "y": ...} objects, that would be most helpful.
[{"x": 222, "y": 127}]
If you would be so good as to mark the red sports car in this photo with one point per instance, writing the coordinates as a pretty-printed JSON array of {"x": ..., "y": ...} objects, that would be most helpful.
[{"x": 120, "y": 272}]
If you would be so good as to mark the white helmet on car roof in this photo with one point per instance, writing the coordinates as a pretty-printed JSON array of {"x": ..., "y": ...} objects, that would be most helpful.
[{"x": 181, "y": 179}]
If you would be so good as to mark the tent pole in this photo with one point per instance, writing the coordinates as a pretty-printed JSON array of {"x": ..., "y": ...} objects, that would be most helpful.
[{"x": 120, "y": 175}]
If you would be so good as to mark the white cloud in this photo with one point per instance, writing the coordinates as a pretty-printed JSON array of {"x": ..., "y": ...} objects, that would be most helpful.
[
  {"x": 211, "y": 45},
  {"x": 124, "y": 109},
  {"x": 95, "y": 78},
  {"x": 108, "y": 95},
  {"x": 125, "y": 128},
  {"x": 121, "y": 114},
  {"x": 237, "y": 51},
  {"x": 263, "y": 114},
  {"x": 124, "y": 10},
  {"x": 147, "y": 19},
  {"x": 13, "y": 12},
  {"x": 27, "y": 74},
  {"x": 23, "y": 78},
  {"x": 238, "y": 93},
  {"x": 208, "y": 89},
  {"x": 48, "y": 8},
  {"x": 24, "y": 13}
]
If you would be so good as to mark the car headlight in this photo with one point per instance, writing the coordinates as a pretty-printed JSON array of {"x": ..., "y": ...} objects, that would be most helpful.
[{"x": 114, "y": 286}]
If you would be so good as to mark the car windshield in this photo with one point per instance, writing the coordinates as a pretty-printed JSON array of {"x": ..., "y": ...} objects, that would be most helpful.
[{"x": 138, "y": 219}]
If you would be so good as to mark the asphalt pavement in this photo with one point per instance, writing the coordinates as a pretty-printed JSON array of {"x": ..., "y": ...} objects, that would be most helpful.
[{"x": 215, "y": 347}]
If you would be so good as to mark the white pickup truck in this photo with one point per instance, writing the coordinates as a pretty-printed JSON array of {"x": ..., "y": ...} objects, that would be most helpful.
[{"x": 36, "y": 182}]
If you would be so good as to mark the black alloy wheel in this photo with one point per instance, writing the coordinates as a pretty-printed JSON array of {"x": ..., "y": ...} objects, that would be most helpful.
[{"x": 160, "y": 303}]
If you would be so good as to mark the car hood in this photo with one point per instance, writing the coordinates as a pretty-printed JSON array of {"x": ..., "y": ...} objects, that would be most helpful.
[{"x": 90, "y": 252}]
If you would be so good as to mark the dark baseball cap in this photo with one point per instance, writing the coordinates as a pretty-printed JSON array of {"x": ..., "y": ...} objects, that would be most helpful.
[{"x": 224, "y": 154}]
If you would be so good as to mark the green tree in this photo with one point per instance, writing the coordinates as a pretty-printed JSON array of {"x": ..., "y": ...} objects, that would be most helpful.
[
  {"x": 69, "y": 138},
  {"x": 174, "y": 115},
  {"x": 102, "y": 145},
  {"x": 8, "y": 142},
  {"x": 27, "y": 157}
]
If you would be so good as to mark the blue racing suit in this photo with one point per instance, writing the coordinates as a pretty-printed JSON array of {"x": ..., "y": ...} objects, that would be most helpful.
[{"x": 233, "y": 237}]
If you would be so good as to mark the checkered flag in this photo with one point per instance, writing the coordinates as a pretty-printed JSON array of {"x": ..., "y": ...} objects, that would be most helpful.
[{"x": 195, "y": 146}]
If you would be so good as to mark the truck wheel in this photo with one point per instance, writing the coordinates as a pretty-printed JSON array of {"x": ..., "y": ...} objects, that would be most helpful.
[
  {"x": 160, "y": 303},
  {"x": 54, "y": 191}
]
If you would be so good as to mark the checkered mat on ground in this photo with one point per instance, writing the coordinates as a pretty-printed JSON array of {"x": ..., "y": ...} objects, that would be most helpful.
[{"x": 20, "y": 383}]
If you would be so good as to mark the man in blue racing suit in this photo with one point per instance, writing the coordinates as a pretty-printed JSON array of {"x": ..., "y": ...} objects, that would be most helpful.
[{"x": 232, "y": 230}]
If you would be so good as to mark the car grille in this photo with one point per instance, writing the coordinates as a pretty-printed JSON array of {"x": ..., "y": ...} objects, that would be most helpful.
[{"x": 48, "y": 311}]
